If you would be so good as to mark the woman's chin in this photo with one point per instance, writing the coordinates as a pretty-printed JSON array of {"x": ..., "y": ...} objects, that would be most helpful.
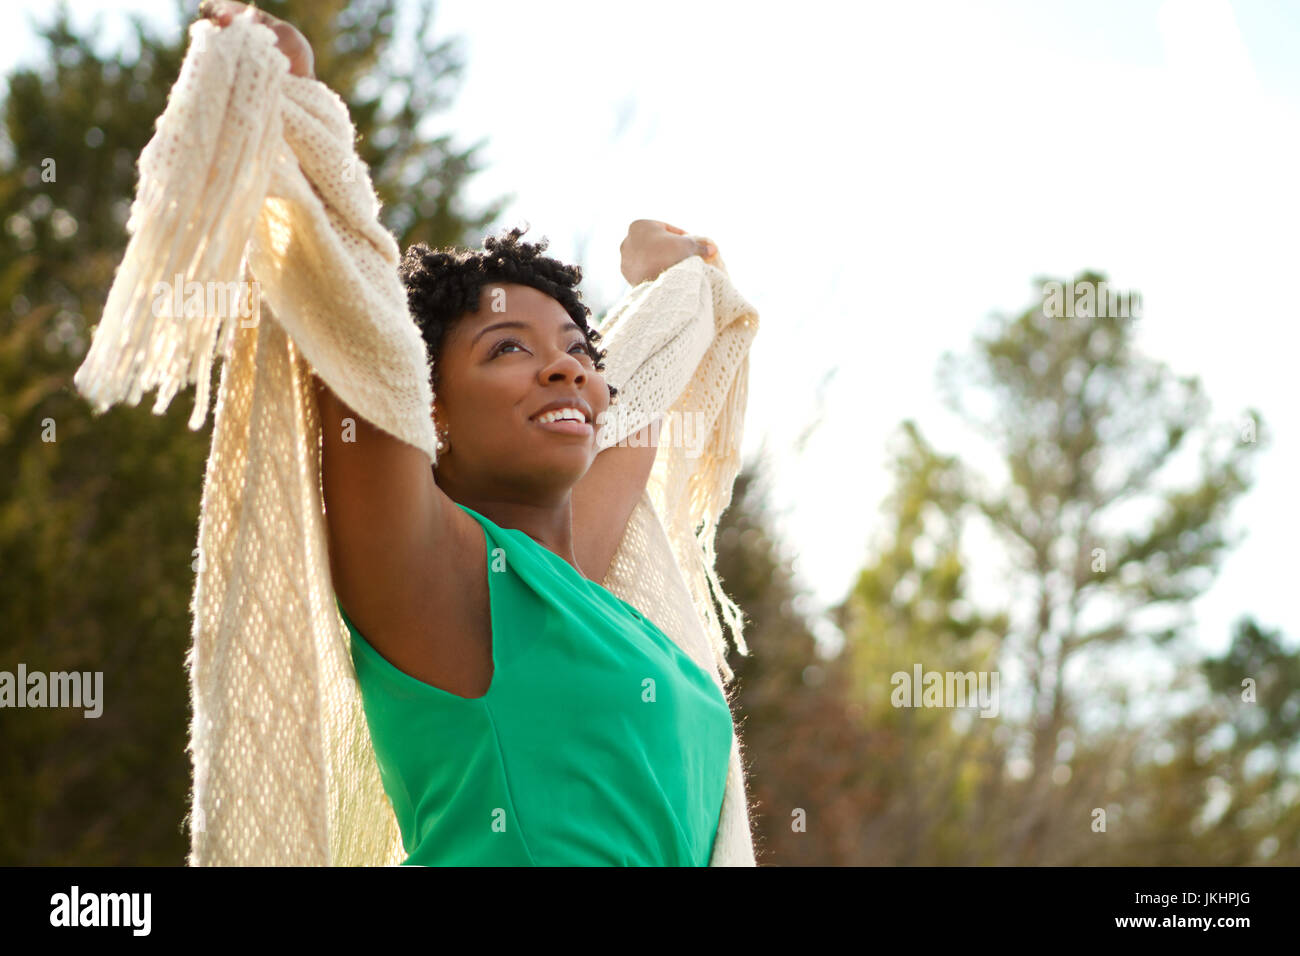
[{"x": 558, "y": 461}]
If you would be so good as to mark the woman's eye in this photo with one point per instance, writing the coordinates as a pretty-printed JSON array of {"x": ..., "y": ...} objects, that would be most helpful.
[{"x": 501, "y": 347}]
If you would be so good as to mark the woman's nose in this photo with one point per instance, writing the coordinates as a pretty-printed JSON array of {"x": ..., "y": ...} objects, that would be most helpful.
[{"x": 565, "y": 366}]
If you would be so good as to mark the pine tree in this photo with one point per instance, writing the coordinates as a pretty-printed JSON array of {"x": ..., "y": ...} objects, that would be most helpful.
[
  {"x": 1109, "y": 551},
  {"x": 1108, "y": 547}
]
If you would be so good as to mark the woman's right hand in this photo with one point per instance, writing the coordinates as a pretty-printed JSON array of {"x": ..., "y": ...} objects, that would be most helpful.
[
  {"x": 651, "y": 247},
  {"x": 291, "y": 42}
]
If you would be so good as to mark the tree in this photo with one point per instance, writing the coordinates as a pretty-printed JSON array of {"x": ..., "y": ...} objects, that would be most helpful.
[
  {"x": 1085, "y": 427},
  {"x": 1097, "y": 546},
  {"x": 939, "y": 782},
  {"x": 807, "y": 758},
  {"x": 1234, "y": 758}
]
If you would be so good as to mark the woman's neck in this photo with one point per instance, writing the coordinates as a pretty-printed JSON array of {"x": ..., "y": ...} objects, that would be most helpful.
[{"x": 550, "y": 524}]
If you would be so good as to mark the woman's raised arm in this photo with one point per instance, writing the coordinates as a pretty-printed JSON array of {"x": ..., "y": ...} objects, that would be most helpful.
[
  {"x": 406, "y": 563},
  {"x": 603, "y": 500},
  {"x": 398, "y": 546}
]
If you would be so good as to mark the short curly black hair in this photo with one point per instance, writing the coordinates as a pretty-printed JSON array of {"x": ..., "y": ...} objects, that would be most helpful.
[{"x": 442, "y": 285}]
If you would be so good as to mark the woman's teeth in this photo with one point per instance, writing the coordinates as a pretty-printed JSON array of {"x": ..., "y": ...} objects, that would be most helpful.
[{"x": 570, "y": 414}]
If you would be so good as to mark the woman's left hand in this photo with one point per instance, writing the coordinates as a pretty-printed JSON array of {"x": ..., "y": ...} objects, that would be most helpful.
[
  {"x": 651, "y": 247},
  {"x": 290, "y": 41}
]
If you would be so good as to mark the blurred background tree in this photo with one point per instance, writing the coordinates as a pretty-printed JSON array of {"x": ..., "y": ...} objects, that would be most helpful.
[
  {"x": 1104, "y": 553},
  {"x": 807, "y": 750},
  {"x": 1225, "y": 773},
  {"x": 942, "y": 778},
  {"x": 1083, "y": 428},
  {"x": 98, "y": 517}
]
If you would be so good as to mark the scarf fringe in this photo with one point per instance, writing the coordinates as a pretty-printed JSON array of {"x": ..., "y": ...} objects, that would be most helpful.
[
  {"x": 141, "y": 342},
  {"x": 727, "y": 438}
]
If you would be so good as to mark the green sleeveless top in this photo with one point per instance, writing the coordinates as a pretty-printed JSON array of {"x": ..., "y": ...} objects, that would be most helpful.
[{"x": 599, "y": 742}]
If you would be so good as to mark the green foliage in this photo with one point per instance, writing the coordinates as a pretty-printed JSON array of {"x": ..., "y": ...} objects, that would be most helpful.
[
  {"x": 909, "y": 608},
  {"x": 1084, "y": 428}
]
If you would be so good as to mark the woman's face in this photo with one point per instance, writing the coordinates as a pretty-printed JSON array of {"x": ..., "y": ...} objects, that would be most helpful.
[{"x": 499, "y": 370}]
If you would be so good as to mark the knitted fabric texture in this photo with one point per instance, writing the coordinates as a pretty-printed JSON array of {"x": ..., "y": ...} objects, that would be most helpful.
[{"x": 251, "y": 177}]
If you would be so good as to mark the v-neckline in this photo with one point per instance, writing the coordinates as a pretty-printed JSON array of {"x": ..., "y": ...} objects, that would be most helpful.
[{"x": 570, "y": 569}]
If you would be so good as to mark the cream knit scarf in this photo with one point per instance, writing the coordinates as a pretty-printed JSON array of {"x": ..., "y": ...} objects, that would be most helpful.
[{"x": 251, "y": 177}]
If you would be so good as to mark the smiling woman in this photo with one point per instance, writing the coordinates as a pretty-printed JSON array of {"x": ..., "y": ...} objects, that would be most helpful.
[{"x": 448, "y": 584}]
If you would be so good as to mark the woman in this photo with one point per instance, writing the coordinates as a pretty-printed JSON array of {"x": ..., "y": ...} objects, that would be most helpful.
[{"x": 521, "y": 713}]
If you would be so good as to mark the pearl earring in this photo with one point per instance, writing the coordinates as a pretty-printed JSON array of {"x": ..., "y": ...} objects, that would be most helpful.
[{"x": 441, "y": 445}]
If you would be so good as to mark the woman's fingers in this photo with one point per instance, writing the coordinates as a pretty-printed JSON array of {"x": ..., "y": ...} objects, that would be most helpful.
[
  {"x": 701, "y": 246},
  {"x": 214, "y": 12},
  {"x": 222, "y": 12},
  {"x": 219, "y": 12}
]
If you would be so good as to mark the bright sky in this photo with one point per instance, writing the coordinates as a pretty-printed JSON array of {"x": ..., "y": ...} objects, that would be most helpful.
[{"x": 880, "y": 177}]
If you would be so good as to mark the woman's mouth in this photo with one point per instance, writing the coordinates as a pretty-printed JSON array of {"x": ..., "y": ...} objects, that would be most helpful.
[
  {"x": 564, "y": 422},
  {"x": 565, "y": 426}
]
